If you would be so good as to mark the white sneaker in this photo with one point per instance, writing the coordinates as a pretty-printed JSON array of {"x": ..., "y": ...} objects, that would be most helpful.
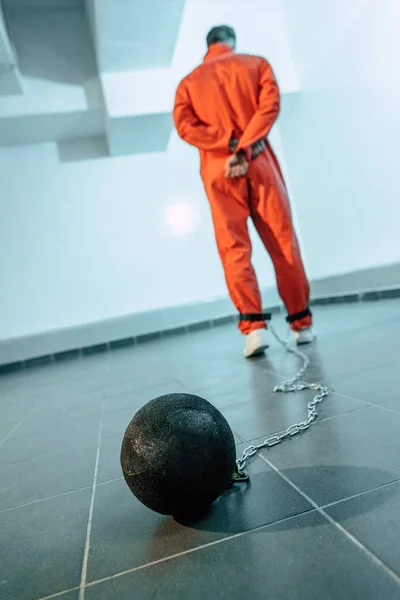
[
  {"x": 304, "y": 336},
  {"x": 256, "y": 343}
]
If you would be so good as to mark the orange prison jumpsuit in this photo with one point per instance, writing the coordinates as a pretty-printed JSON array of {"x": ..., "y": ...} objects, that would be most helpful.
[{"x": 236, "y": 95}]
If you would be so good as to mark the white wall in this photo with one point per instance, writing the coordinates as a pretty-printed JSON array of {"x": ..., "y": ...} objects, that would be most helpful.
[
  {"x": 56, "y": 61},
  {"x": 260, "y": 28},
  {"x": 23, "y": 5},
  {"x": 62, "y": 93},
  {"x": 6, "y": 53},
  {"x": 91, "y": 16},
  {"x": 136, "y": 35},
  {"x": 9, "y": 77},
  {"x": 135, "y": 92},
  {"x": 81, "y": 242},
  {"x": 341, "y": 134}
]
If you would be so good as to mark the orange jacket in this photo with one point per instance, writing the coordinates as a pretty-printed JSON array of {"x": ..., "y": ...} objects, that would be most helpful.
[{"x": 229, "y": 95}]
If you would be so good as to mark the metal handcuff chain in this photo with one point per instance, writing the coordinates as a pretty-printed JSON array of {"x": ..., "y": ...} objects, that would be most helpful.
[{"x": 295, "y": 384}]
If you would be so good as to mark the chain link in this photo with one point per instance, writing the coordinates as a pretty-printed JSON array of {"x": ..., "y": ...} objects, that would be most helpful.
[{"x": 295, "y": 384}]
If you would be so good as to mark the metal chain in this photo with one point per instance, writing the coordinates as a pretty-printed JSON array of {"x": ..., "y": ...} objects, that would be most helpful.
[{"x": 295, "y": 384}]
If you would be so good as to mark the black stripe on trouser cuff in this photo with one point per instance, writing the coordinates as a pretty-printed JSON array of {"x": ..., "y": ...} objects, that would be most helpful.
[
  {"x": 254, "y": 317},
  {"x": 298, "y": 316}
]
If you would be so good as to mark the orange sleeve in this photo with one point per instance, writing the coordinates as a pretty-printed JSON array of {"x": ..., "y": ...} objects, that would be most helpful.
[
  {"x": 194, "y": 131},
  {"x": 267, "y": 111}
]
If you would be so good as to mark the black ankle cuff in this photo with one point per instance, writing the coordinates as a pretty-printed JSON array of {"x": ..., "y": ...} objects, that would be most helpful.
[
  {"x": 298, "y": 316},
  {"x": 255, "y": 317}
]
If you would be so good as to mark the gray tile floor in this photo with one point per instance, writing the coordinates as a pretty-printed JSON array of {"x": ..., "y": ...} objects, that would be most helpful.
[{"x": 320, "y": 519}]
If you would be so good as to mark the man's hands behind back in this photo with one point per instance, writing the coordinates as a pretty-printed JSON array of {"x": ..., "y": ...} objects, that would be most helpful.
[{"x": 237, "y": 165}]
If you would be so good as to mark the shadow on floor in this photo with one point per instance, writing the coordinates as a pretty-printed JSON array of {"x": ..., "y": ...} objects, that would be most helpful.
[{"x": 234, "y": 512}]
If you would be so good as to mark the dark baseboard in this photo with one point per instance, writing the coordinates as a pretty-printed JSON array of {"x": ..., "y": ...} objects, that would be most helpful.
[{"x": 126, "y": 342}]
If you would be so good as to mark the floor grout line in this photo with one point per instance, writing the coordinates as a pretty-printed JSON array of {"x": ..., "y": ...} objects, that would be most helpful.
[
  {"x": 91, "y": 512},
  {"x": 50, "y": 454},
  {"x": 354, "y": 398},
  {"x": 11, "y": 432},
  {"x": 314, "y": 424},
  {"x": 60, "y": 594},
  {"x": 316, "y": 508},
  {"x": 392, "y": 410},
  {"x": 374, "y": 489},
  {"x": 271, "y": 371},
  {"x": 344, "y": 414},
  {"x": 17, "y": 425},
  {"x": 369, "y": 403},
  {"x": 241, "y": 442},
  {"x": 332, "y": 393},
  {"x": 338, "y": 526},
  {"x": 109, "y": 481},
  {"x": 10, "y": 508},
  {"x": 196, "y": 549}
]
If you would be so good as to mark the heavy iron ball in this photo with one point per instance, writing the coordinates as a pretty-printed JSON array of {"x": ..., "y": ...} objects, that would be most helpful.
[{"x": 178, "y": 454}]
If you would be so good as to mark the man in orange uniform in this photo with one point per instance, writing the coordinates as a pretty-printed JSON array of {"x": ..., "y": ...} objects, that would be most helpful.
[{"x": 226, "y": 108}]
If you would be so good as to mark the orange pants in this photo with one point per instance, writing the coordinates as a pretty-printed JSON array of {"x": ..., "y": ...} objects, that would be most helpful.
[{"x": 262, "y": 196}]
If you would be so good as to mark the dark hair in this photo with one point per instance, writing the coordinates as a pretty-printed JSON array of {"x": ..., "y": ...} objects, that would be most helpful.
[{"x": 221, "y": 34}]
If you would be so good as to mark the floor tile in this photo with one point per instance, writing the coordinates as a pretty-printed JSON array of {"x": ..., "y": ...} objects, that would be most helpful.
[
  {"x": 270, "y": 413},
  {"x": 109, "y": 459},
  {"x": 373, "y": 518},
  {"x": 331, "y": 359},
  {"x": 303, "y": 558},
  {"x": 72, "y": 595},
  {"x": 40, "y": 436},
  {"x": 125, "y": 534},
  {"x": 352, "y": 448},
  {"x": 212, "y": 374},
  {"x": 49, "y": 475},
  {"x": 131, "y": 379},
  {"x": 376, "y": 385},
  {"x": 343, "y": 456},
  {"x": 62, "y": 404},
  {"x": 72, "y": 373},
  {"x": 392, "y": 405},
  {"x": 115, "y": 423},
  {"x": 14, "y": 409},
  {"x": 6, "y": 426},
  {"x": 330, "y": 365},
  {"x": 135, "y": 400},
  {"x": 45, "y": 543}
]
